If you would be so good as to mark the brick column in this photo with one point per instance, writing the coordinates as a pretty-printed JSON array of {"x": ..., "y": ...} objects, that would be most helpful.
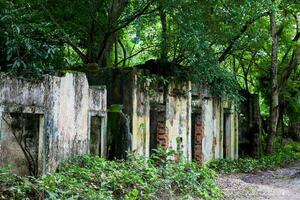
[
  {"x": 199, "y": 132},
  {"x": 162, "y": 134}
]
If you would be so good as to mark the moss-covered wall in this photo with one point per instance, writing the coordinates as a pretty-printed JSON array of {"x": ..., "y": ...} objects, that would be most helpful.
[
  {"x": 125, "y": 87},
  {"x": 64, "y": 105},
  {"x": 231, "y": 125},
  {"x": 140, "y": 117},
  {"x": 178, "y": 117},
  {"x": 220, "y": 124}
]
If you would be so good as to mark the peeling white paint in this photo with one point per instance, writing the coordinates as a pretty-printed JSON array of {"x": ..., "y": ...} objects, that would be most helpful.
[{"x": 65, "y": 104}]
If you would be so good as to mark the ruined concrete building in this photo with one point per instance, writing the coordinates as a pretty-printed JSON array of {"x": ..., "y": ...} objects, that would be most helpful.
[
  {"x": 214, "y": 127},
  {"x": 45, "y": 122},
  {"x": 172, "y": 116}
]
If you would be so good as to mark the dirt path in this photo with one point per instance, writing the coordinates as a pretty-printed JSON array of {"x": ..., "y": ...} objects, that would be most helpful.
[{"x": 280, "y": 184}]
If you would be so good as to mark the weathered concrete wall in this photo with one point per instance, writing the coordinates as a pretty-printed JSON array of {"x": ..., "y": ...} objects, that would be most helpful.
[
  {"x": 165, "y": 117},
  {"x": 231, "y": 126},
  {"x": 98, "y": 108},
  {"x": 178, "y": 117},
  {"x": 140, "y": 118},
  {"x": 214, "y": 132},
  {"x": 125, "y": 87},
  {"x": 129, "y": 88},
  {"x": 63, "y": 103}
]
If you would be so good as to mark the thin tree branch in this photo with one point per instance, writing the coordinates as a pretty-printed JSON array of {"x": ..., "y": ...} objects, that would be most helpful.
[
  {"x": 238, "y": 36},
  {"x": 65, "y": 38},
  {"x": 135, "y": 54},
  {"x": 124, "y": 52},
  {"x": 131, "y": 18}
]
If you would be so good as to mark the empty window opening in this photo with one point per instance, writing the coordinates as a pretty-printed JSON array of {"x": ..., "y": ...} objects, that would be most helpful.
[
  {"x": 119, "y": 137},
  {"x": 226, "y": 132},
  {"x": 95, "y": 136},
  {"x": 153, "y": 130},
  {"x": 158, "y": 130},
  {"x": 20, "y": 144},
  {"x": 193, "y": 136}
]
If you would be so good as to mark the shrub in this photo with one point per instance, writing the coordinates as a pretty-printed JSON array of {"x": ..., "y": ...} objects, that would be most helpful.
[
  {"x": 289, "y": 153},
  {"x": 13, "y": 186},
  {"x": 87, "y": 177}
]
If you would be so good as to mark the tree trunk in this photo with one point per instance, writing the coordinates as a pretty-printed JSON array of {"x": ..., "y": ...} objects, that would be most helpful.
[
  {"x": 116, "y": 52},
  {"x": 274, "y": 86},
  {"x": 90, "y": 45},
  {"x": 117, "y": 7},
  {"x": 164, "y": 37}
]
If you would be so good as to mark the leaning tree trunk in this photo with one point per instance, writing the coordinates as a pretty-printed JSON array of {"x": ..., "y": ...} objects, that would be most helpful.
[
  {"x": 274, "y": 86},
  {"x": 164, "y": 37}
]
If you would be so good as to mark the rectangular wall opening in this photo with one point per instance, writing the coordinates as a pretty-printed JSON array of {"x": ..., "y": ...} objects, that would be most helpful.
[
  {"x": 158, "y": 131},
  {"x": 21, "y": 142},
  {"x": 193, "y": 136},
  {"x": 95, "y": 136},
  {"x": 153, "y": 130},
  {"x": 197, "y": 137},
  {"x": 119, "y": 137},
  {"x": 226, "y": 132}
]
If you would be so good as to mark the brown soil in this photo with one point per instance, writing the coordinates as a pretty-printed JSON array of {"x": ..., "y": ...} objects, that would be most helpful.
[{"x": 283, "y": 183}]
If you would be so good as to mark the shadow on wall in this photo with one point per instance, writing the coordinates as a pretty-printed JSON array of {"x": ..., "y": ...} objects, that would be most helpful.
[
  {"x": 20, "y": 145},
  {"x": 118, "y": 134}
]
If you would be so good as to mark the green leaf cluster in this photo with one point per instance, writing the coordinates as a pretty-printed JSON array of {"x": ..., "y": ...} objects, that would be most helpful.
[
  {"x": 88, "y": 177},
  {"x": 289, "y": 153}
]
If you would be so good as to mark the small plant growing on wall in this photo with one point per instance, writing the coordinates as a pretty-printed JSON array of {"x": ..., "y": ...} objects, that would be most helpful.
[{"x": 153, "y": 84}]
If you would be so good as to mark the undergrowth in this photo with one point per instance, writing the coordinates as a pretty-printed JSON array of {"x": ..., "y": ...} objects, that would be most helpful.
[
  {"x": 289, "y": 153},
  {"x": 87, "y": 177}
]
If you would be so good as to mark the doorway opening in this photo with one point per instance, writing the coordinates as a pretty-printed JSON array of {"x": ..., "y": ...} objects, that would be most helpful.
[
  {"x": 153, "y": 130},
  {"x": 119, "y": 137},
  {"x": 158, "y": 131},
  {"x": 21, "y": 142},
  {"x": 95, "y": 136},
  {"x": 197, "y": 137},
  {"x": 226, "y": 132}
]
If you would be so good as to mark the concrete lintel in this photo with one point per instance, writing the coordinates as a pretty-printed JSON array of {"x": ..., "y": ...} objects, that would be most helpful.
[
  {"x": 15, "y": 108},
  {"x": 98, "y": 87},
  {"x": 98, "y": 113}
]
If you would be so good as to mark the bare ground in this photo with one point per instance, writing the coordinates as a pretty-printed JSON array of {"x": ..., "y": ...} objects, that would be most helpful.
[{"x": 283, "y": 183}]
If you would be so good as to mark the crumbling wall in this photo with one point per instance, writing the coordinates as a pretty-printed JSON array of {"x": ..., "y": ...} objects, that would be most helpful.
[
  {"x": 64, "y": 104},
  {"x": 213, "y": 136},
  {"x": 231, "y": 130},
  {"x": 209, "y": 131},
  {"x": 125, "y": 87},
  {"x": 140, "y": 117},
  {"x": 98, "y": 108},
  {"x": 178, "y": 117},
  {"x": 218, "y": 129}
]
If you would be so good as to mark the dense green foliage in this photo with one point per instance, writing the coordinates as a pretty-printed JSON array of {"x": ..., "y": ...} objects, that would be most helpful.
[
  {"x": 95, "y": 178},
  {"x": 226, "y": 45},
  {"x": 25, "y": 47},
  {"x": 284, "y": 156},
  {"x": 214, "y": 38}
]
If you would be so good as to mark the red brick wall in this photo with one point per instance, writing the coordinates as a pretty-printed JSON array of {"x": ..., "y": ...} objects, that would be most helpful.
[
  {"x": 162, "y": 134},
  {"x": 199, "y": 132}
]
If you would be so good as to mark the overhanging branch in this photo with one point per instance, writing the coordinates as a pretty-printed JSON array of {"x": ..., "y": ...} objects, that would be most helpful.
[{"x": 238, "y": 36}]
